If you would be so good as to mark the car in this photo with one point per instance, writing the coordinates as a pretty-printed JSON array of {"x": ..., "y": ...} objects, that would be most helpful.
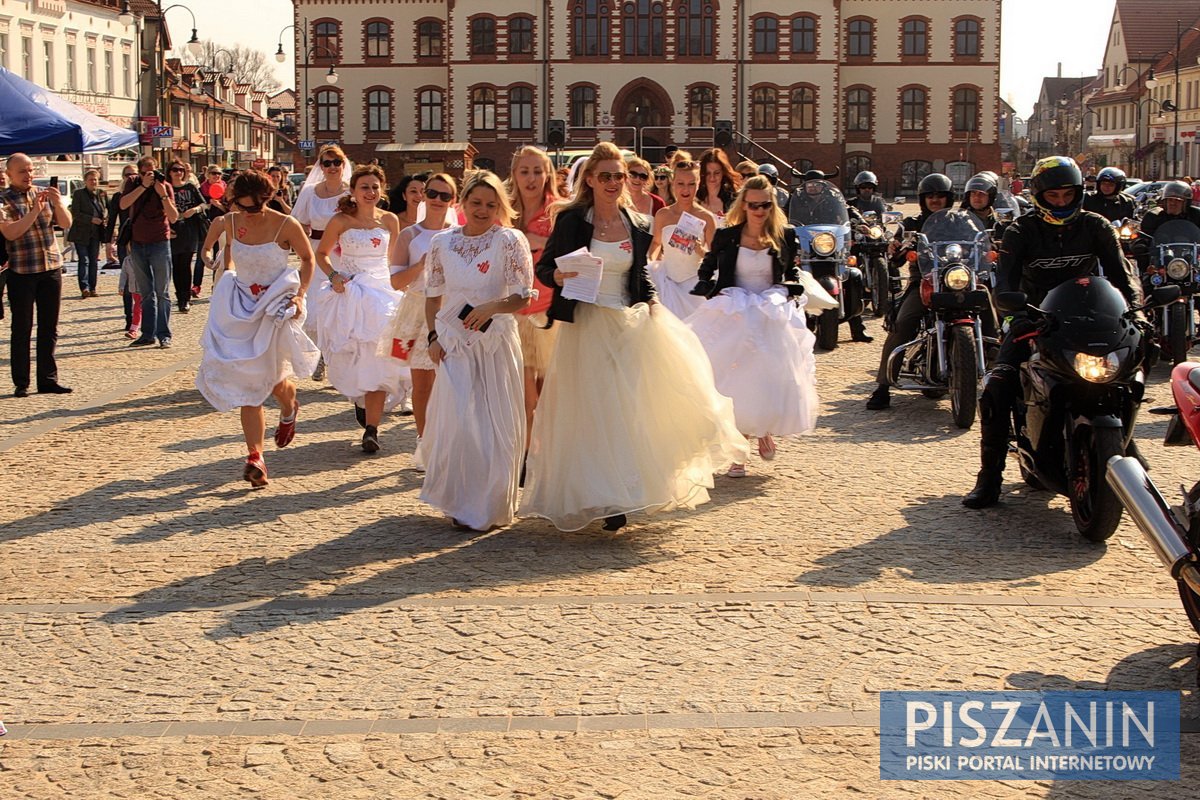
[
  {"x": 1136, "y": 190},
  {"x": 66, "y": 186},
  {"x": 297, "y": 180}
]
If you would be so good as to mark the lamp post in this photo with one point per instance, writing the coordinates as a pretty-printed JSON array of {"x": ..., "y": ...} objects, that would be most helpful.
[
  {"x": 331, "y": 77},
  {"x": 126, "y": 17},
  {"x": 1173, "y": 105},
  {"x": 1141, "y": 105}
]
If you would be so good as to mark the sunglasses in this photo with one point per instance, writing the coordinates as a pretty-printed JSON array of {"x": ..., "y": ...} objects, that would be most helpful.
[
  {"x": 252, "y": 209},
  {"x": 662, "y": 176},
  {"x": 687, "y": 164},
  {"x": 641, "y": 176},
  {"x": 331, "y": 162},
  {"x": 611, "y": 177},
  {"x": 177, "y": 169},
  {"x": 434, "y": 194},
  {"x": 759, "y": 206}
]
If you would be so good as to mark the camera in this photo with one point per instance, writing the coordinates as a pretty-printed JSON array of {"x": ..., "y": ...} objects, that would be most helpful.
[{"x": 160, "y": 176}]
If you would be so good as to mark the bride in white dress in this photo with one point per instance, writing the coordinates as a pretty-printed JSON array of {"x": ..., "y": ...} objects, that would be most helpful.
[
  {"x": 674, "y": 274},
  {"x": 253, "y": 342},
  {"x": 357, "y": 306},
  {"x": 479, "y": 275}
]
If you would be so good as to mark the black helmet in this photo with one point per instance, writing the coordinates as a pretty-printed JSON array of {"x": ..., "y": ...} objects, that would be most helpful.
[
  {"x": 1057, "y": 172},
  {"x": 1178, "y": 190},
  {"x": 866, "y": 178},
  {"x": 813, "y": 175},
  {"x": 769, "y": 171},
  {"x": 982, "y": 182},
  {"x": 935, "y": 183},
  {"x": 1112, "y": 174}
]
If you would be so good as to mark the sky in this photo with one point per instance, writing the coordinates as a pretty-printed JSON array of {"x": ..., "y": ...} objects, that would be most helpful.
[{"x": 1036, "y": 35}]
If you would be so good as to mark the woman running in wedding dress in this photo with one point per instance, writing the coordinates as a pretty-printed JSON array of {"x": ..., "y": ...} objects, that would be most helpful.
[{"x": 675, "y": 274}]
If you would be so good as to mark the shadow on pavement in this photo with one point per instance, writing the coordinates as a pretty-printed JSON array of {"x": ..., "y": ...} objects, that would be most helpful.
[{"x": 912, "y": 419}]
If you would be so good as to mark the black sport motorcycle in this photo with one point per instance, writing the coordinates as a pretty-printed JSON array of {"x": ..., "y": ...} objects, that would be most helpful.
[{"x": 1081, "y": 390}]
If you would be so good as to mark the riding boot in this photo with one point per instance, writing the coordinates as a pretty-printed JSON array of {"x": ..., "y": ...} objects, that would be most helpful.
[
  {"x": 990, "y": 479},
  {"x": 858, "y": 332}
]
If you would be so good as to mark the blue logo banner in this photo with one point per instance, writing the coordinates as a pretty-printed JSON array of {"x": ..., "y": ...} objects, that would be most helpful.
[{"x": 1019, "y": 735}]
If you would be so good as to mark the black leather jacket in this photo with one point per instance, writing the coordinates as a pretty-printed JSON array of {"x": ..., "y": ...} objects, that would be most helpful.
[
  {"x": 875, "y": 204},
  {"x": 1113, "y": 207},
  {"x": 721, "y": 260}
]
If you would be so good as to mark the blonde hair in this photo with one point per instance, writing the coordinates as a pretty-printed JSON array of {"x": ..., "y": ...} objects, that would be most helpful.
[
  {"x": 775, "y": 222},
  {"x": 679, "y": 155},
  {"x": 444, "y": 178},
  {"x": 549, "y": 193},
  {"x": 584, "y": 197},
  {"x": 331, "y": 148},
  {"x": 489, "y": 180},
  {"x": 746, "y": 164}
]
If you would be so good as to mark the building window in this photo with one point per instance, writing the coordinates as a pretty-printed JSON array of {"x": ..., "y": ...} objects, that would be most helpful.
[
  {"x": 127, "y": 71},
  {"x": 483, "y": 37},
  {"x": 701, "y": 107},
  {"x": 379, "y": 111},
  {"x": 694, "y": 29},
  {"x": 520, "y": 108},
  {"x": 91, "y": 69},
  {"x": 591, "y": 26},
  {"x": 860, "y": 34},
  {"x": 642, "y": 25},
  {"x": 916, "y": 38},
  {"x": 70, "y": 66},
  {"x": 766, "y": 36},
  {"x": 764, "y": 105},
  {"x": 328, "y": 117},
  {"x": 429, "y": 40},
  {"x": 48, "y": 57},
  {"x": 804, "y": 109},
  {"x": 520, "y": 36},
  {"x": 108, "y": 72},
  {"x": 802, "y": 165},
  {"x": 911, "y": 173},
  {"x": 856, "y": 163},
  {"x": 379, "y": 36},
  {"x": 430, "y": 102},
  {"x": 583, "y": 107},
  {"x": 966, "y": 38},
  {"x": 804, "y": 35},
  {"x": 325, "y": 40},
  {"x": 27, "y": 59},
  {"x": 912, "y": 110},
  {"x": 858, "y": 110},
  {"x": 483, "y": 109},
  {"x": 4, "y": 50},
  {"x": 966, "y": 110}
]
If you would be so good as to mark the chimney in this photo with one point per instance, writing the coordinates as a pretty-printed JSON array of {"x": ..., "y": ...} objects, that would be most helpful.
[{"x": 1059, "y": 75}]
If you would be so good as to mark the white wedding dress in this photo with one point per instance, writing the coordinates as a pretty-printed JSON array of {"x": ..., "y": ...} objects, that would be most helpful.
[{"x": 675, "y": 275}]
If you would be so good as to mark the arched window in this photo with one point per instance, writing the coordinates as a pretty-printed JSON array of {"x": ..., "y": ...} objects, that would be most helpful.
[
  {"x": 328, "y": 116},
  {"x": 483, "y": 109},
  {"x": 701, "y": 107},
  {"x": 911, "y": 173},
  {"x": 379, "y": 111},
  {"x": 766, "y": 36},
  {"x": 520, "y": 36},
  {"x": 378, "y": 40},
  {"x": 430, "y": 107},
  {"x": 325, "y": 41},
  {"x": 916, "y": 38},
  {"x": 483, "y": 36},
  {"x": 802, "y": 165},
  {"x": 856, "y": 163},
  {"x": 764, "y": 107},
  {"x": 591, "y": 27},
  {"x": 913, "y": 103},
  {"x": 429, "y": 39},
  {"x": 804, "y": 35},
  {"x": 520, "y": 108},
  {"x": 966, "y": 37},
  {"x": 642, "y": 28},
  {"x": 858, "y": 110},
  {"x": 583, "y": 107},
  {"x": 860, "y": 35},
  {"x": 966, "y": 110},
  {"x": 694, "y": 28},
  {"x": 804, "y": 109}
]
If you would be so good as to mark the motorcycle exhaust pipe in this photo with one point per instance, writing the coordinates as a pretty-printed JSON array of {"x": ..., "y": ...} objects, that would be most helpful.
[{"x": 1153, "y": 516}]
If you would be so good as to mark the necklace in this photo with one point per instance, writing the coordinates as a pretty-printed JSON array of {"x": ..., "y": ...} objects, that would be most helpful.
[{"x": 605, "y": 226}]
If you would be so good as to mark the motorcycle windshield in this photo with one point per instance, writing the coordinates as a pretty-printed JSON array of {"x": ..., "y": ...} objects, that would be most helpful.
[
  {"x": 1091, "y": 303},
  {"x": 1007, "y": 207},
  {"x": 1177, "y": 231},
  {"x": 951, "y": 238},
  {"x": 817, "y": 203}
]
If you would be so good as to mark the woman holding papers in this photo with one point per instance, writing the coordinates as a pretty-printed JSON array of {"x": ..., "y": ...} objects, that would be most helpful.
[
  {"x": 629, "y": 419},
  {"x": 479, "y": 275},
  {"x": 683, "y": 232},
  {"x": 755, "y": 334}
]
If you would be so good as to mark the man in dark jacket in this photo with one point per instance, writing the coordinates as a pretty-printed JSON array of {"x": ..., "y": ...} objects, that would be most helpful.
[{"x": 1109, "y": 200}]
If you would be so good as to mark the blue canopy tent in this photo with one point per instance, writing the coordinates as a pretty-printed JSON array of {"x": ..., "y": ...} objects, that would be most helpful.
[{"x": 37, "y": 122}]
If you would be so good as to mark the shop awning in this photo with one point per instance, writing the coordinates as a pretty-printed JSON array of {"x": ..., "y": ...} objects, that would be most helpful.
[{"x": 1111, "y": 140}]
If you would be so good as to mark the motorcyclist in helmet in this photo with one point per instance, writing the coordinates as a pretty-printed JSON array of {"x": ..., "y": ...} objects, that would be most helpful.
[
  {"x": 1056, "y": 243},
  {"x": 935, "y": 192},
  {"x": 1109, "y": 200},
  {"x": 865, "y": 198},
  {"x": 781, "y": 194},
  {"x": 1175, "y": 202},
  {"x": 979, "y": 197},
  {"x": 814, "y": 187}
]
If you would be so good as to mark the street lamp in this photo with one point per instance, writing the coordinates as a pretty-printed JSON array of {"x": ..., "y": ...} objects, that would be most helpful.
[
  {"x": 331, "y": 77},
  {"x": 281, "y": 56}
]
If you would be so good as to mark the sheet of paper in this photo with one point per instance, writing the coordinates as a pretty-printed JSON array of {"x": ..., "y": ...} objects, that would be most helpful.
[
  {"x": 585, "y": 286},
  {"x": 688, "y": 233}
]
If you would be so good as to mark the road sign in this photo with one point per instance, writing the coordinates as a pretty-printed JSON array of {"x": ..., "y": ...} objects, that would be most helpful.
[{"x": 162, "y": 131}]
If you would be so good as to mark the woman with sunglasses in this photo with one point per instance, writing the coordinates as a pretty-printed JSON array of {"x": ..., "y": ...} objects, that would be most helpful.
[
  {"x": 629, "y": 419},
  {"x": 639, "y": 183},
  {"x": 187, "y": 233},
  {"x": 356, "y": 308},
  {"x": 479, "y": 275},
  {"x": 719, "y": 183},
  {"x": 675, "y": 274},
  {"x": 756, "y": 335},
  {"x": 254, "y": 344},
  {"x": 662, "y": 184},
  {"x": 409, "y": 275}
]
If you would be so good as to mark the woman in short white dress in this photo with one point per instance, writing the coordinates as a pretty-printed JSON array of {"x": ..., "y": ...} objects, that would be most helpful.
[
  {"x": 357, "y": 306},
  {"x": 253, "y": 342},
  {"x": 755, "y": 334},
  {"x": 478, "y": 276},
  {"x": 674, "y": 273}
]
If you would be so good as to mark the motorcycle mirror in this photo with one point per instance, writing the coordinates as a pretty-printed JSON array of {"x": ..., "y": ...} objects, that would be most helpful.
[{"x": 1012, "y": 302}]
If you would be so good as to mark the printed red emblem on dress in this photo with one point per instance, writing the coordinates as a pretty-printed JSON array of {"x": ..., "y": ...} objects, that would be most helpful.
[
  {"x": 484, "y": 266},
  {"x": 376, "y": 241},
  {"x": 627, "y": 246}
]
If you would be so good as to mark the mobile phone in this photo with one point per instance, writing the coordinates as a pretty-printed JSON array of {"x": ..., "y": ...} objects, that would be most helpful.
[
  {"x": 54, "y": 182},
  {"x": 467, "y": 309}
]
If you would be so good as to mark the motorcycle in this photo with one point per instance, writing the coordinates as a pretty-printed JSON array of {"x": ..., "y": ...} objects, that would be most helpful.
[
  {"x": 1080, "y": 394},
  {"x": 1173, "y": 534},
  {"x": 1175, "y": 261},
  {"x": 818, "y": 211},
  {"x": 952, "y": 251},
  {"x": 1128, "y": 231},
  {"x": 870, "y": 253}
]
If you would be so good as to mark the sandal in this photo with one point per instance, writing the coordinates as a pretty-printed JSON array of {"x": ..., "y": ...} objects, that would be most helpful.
[
  {"x": 737, "y": 471},
  {"x": 766, "y": 447},
  {"x": 255, "y": 471},
  {"x": 287, "y": 428}
]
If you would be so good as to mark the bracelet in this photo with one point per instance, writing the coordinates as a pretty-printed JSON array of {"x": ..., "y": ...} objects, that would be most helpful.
[
  {"x": 431, "y": 338},
  {"x": 335, "y": 272}
]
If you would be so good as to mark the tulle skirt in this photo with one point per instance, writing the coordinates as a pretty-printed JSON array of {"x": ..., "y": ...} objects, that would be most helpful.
[
  {"x": 674, "y": 294},
  {"x": 352, "y": 332},
  {"x": 247, "y": 347},
  {"x": 537, "y": 342},
  {"x": 628, "y": 420},
  {"x": 762, "y": 356}
]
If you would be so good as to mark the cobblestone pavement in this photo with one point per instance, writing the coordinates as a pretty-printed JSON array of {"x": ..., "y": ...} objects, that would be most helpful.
[{"x": 166, "y": 633}]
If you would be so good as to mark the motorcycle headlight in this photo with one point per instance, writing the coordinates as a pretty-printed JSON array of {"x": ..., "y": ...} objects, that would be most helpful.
[
  {"x": 1178, "y": 269},
  {"x": 875, "y": 232},
  {"x": 824, "y": 243},
  {"x": 1126, "y": 232},
  {"x": 1097, "y": 369},
  {"x": 957, "y": 279},
  {"x": 953, "y": 252}
]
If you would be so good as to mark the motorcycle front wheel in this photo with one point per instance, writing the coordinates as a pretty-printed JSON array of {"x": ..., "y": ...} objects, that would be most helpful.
[
  {"x": 827, "y": 329},
  {"x": 1177, "y": 326},
  {"x": 881, "y": 287},
  {"x": 1094, "y": 506},
  {"x": 964, "y": 378}
]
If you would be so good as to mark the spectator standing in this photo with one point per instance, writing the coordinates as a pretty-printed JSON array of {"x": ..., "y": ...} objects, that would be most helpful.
[
  {"x": 35, "y": 273},
  {"x": 187, "y": 233},
  {"x": 3, "y": 251},
  {"x": 281, "y": 199},
  {"x": 151, "y": 204},
  {"x": 89, "y": 212}
]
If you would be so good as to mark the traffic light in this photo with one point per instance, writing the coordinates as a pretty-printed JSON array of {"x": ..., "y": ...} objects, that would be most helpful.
[
  {"x": 556, "y": 132},
  {"x": 723, "y": 135}
]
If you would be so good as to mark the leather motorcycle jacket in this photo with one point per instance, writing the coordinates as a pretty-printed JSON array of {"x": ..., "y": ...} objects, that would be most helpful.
[
  {"x": 1159, "y": 216},
  {"x": 1116, "y": 206},
  {"x": 875, "y": 204}
]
